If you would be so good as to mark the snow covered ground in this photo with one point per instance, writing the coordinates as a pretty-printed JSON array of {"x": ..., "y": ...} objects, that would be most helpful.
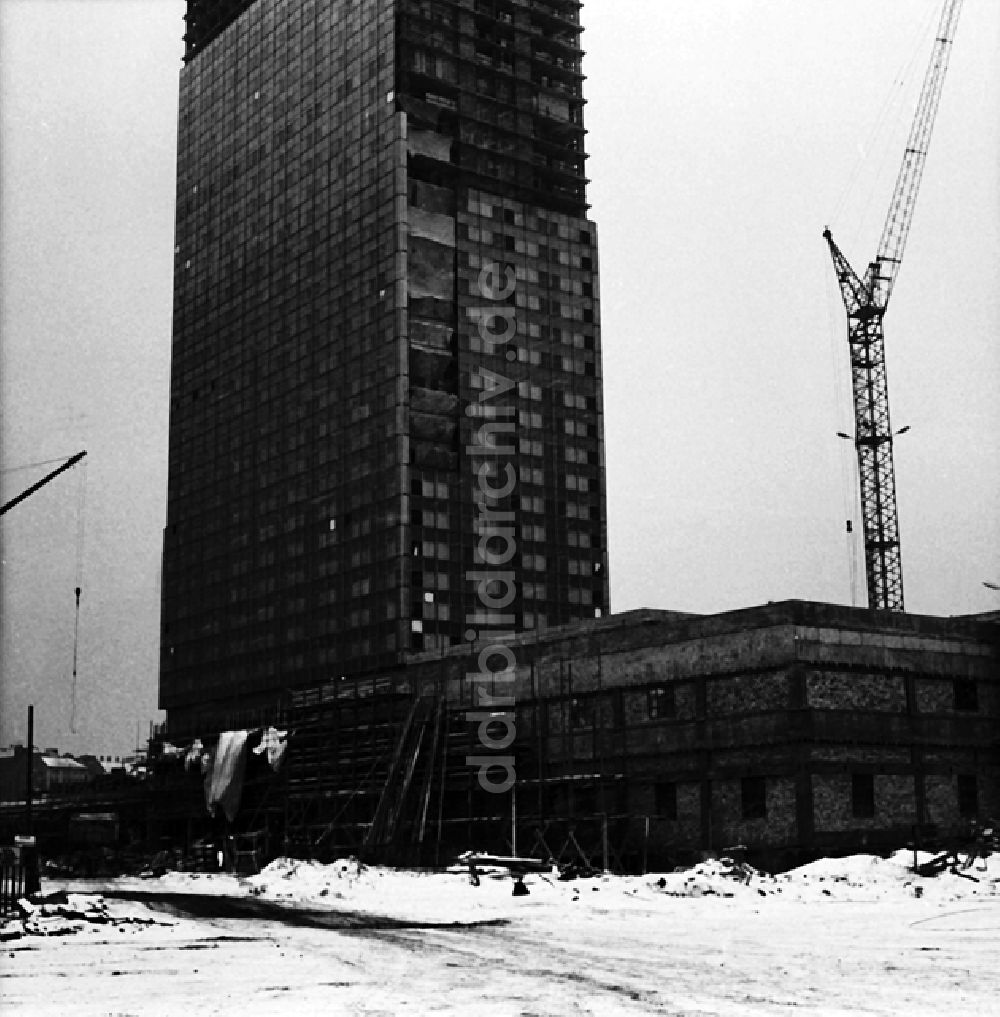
[{"x": 858, "y": 935}]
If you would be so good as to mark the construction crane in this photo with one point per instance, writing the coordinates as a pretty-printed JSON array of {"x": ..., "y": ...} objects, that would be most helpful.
[
  {"x": 68, "y": 464},
  {"x": 865, "y": 301}
]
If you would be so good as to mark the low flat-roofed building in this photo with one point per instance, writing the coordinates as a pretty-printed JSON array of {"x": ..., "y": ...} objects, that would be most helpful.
[{"x": 793, "y": 729}]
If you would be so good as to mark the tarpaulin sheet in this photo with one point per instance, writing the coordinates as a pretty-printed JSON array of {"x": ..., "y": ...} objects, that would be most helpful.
[{"x": 224, "y": 780}]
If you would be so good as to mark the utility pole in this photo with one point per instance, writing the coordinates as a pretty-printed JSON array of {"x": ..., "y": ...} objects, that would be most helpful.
[
  {"x": 29, "y": 845},
  {"x": 29, "y": 773}
]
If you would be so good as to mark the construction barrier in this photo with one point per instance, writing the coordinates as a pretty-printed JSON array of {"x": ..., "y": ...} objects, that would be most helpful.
[{"x": 11, "y": 879}]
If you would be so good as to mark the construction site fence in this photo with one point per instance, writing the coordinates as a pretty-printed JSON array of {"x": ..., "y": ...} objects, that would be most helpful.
[{"x": 12, "y": 879}]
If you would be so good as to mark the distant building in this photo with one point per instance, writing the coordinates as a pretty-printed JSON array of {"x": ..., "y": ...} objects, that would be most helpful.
[
  {"x": 61, "y": 773},
  {"x": 94, "y": 766},
  {"x": 50, "y": 773}
]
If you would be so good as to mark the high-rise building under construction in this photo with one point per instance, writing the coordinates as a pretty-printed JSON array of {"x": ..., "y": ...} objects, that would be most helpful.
[{"x": 386, "y": 304}]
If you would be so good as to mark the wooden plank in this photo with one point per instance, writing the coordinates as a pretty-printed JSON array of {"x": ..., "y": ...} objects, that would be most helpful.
[{"x": 431, "y": 763}]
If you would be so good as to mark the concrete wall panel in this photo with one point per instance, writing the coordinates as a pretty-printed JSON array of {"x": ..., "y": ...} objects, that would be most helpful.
[
  {"x": 845, "y": 690},
  {"x": 730, "y": 828},
  {"x": 833, "y": 813},
  {"x": 747, "y": 694}
]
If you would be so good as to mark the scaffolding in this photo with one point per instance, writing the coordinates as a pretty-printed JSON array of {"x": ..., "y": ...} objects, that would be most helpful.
[{"x": 381, "y": 770}]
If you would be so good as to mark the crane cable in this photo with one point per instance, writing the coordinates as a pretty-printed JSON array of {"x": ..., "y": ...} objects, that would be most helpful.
[
  {"x": 843, "y": 405},
  {"x": 81, "y": 504},
  {"x": 890, "y": 109},
  {"x": 32, "y": 466}
]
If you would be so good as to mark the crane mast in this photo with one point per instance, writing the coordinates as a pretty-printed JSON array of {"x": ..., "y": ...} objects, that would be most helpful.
[{"x": 865, "y": 300}]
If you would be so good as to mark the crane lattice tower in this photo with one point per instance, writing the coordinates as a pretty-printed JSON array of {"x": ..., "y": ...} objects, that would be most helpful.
[{"x": 866, "y": 300}]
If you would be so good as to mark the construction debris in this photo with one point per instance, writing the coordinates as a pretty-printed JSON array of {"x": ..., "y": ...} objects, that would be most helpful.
[
  {"x": 715, "y": 877},
  {"x": 61, "y": 914},
  {"x": 981, "y": 842}
]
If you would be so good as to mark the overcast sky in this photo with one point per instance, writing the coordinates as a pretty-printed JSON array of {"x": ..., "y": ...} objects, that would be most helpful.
[{"x": 724, "y": 136}]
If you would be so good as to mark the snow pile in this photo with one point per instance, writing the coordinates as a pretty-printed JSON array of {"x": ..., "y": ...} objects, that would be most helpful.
[
  {"x": 720, "y": 877},
  {"x": 869, "y": 877},
  {"x": 406, "y": 895},
  {"x": 294, "y": 879},
  {"x": 855, "y": 878},
  {"x": 61, "y": 914},
  {"x": 452, "y": 895}
]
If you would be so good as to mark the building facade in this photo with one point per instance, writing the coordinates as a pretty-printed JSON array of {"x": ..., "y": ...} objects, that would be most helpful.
[
  {"x": 386, "y": 325},
  {"x": 645, "y": 739}
]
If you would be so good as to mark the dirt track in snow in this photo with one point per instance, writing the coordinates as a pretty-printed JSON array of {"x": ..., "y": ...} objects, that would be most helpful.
[{"x": 705, "y": 956}]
